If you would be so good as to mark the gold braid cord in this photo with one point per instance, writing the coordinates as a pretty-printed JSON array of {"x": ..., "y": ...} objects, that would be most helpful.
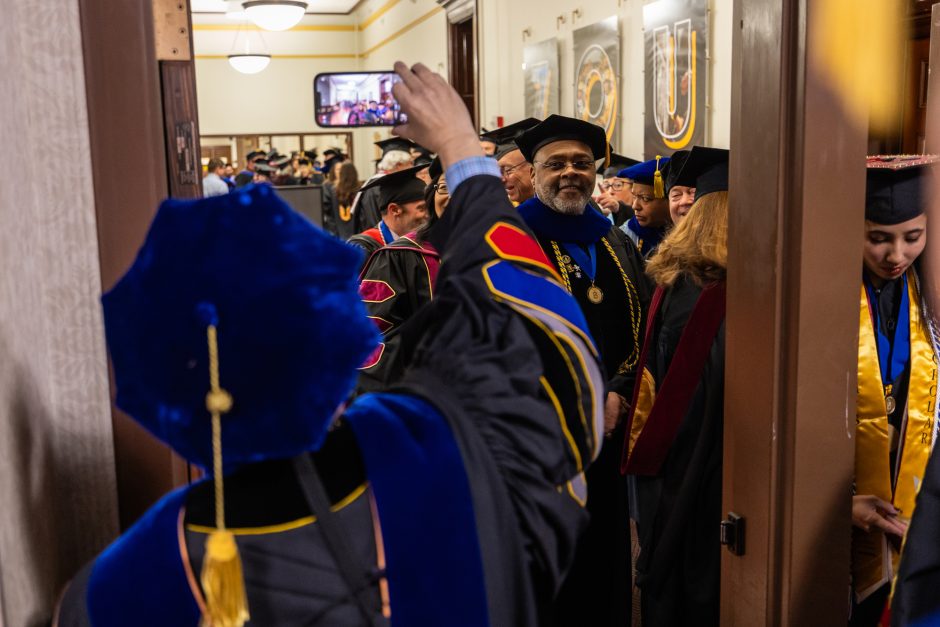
[
  {"x": 633, "y": 300},
  {"x": 223, "y": 582}
]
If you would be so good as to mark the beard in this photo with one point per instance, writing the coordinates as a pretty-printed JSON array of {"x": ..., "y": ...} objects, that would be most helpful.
[{"x": 549, "y": 195}]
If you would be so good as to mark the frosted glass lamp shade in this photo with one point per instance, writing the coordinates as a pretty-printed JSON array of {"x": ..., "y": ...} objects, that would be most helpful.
[
  {"x": 275, "y": 14},
  {"x": 249, "y": 63}
]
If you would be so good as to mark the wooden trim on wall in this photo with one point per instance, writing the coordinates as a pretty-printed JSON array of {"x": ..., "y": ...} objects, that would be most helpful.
[{"x": 794, "y": 266}]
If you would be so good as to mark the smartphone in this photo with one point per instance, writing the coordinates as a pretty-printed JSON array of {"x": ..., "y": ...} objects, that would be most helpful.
[{"x": 356, "y": 99}]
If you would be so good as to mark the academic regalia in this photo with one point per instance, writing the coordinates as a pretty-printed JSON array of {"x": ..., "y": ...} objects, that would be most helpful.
[
  {"x": 611, "y": 170},
  {"x": 605, "y": 275},
  {"x": 473, "y": 460},
  {"x": 365, "y": 209},
  {"x": 651, "y": 173},
  {"x": 395, "y": 283},
  {"x": 673, "y": 450},
  {"x": 897, "y": 374},
  {"x": 396, "y": 187}
]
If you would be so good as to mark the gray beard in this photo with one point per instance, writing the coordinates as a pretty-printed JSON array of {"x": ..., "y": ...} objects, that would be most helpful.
[{"x": 570, "y": 208}]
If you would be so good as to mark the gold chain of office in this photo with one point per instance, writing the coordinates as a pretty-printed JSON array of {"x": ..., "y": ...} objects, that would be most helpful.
[{"x": 633, "y": 300}]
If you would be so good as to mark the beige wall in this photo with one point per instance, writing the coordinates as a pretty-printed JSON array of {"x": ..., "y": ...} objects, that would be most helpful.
[
  {"x": 280, "y": 99},
  {"x": 501, "y": 60},
  {"x": 57, "y": 485}
]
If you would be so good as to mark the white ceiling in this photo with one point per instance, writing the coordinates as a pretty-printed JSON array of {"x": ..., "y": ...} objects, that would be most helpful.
[{"x": 313, "y": 6}]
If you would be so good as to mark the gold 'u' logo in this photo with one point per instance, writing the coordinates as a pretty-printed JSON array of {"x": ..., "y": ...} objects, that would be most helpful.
[
  {"x": 675, "y": 82},
  {"x": 345, "y": 213}
]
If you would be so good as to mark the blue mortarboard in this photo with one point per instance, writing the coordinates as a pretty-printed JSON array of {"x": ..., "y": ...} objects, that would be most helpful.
[
  {"x": 894, "y": 190},
  {"x": 292, "y": 329},
  {"x": 647, "y": 173}
]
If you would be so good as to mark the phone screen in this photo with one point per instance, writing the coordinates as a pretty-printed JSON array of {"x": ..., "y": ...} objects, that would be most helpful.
[{"x": 354, "y": 99}]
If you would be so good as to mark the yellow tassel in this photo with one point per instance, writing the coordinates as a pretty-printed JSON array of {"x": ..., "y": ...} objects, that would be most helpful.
[
  {"x": 607, "y": 157},
  {"x": 223, "y": 582},
  {"x": 658, "y": 188}
]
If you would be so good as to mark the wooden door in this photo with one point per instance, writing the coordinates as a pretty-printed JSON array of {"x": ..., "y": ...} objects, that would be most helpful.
[{"x": 462, "y": 62}]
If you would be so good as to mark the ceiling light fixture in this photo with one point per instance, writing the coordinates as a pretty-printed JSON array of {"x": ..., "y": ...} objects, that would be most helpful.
[
  {"x": 243, "y": 58},
  {"x": 275, "y": 15}
]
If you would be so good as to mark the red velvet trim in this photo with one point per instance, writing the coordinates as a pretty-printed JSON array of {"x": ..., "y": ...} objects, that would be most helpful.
[{"x": 679, "y": 384}]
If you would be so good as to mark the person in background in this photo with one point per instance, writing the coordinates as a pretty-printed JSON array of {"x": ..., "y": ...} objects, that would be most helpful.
[
  {"x": 650, "y": 221},
  {"x": 681, "y": 193},
  {"x": 332, "y": 156},
  {"x": 228, "y": 175},
  {"x": 342, "y": 193},
  {"x": 402, "y": 205},
  {"x": 673, "y": 449},
  {"x": 489, "y": 146},
  {"x": 896, "y": 414},
  {"x": 604, "y": 272},
  {"x": 409, "y": 266},
  {"x": 396, "y": 156},
  {"x": 263, "y": 173},
  {"x": 616, "y": 194},
  {"x": 212, "y": 183},
  {"x": 247, "y": 175},
  {"x": 516, "y": 171}
]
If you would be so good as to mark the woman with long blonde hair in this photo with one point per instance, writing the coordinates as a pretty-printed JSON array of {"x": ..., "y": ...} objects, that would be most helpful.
[{"x": 673, "y": 448}]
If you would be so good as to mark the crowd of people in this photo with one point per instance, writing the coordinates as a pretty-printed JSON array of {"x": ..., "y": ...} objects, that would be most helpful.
[{"x": 501, "y": 403}]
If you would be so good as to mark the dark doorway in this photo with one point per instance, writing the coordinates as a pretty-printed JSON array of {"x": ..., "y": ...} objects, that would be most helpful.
[{"x": 462, "y": 62}]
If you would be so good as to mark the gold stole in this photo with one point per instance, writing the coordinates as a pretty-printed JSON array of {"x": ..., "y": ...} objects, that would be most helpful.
[{"x": 874, "y": 559}]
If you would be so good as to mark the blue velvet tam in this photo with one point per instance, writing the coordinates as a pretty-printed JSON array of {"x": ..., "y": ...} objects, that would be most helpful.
[
  {"x": 643, "y": 173},
  {"x": 292, "y": 329}
]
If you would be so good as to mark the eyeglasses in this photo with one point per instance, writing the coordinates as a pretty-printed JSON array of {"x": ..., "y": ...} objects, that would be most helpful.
[
  {"x": 615, "y": 185},
  {"x": 440, "y": 188},
  {"x": 506, "y": 170},
  {"x": 561, "y": 166}
]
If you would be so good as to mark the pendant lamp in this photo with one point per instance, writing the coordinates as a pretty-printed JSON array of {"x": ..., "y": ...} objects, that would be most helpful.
[
  {"x": 243, "y": 58},
  {"x": 275, "y": 15}
]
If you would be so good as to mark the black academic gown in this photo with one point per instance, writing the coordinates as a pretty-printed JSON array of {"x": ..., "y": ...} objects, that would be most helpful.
[
  {"x": 680, "y": 509},
  {"x": 483, "y": 365},
  {"x": 366, "y": 210},
  {"x": 404, "y": 272},
  {"x": 597, "y": 591}
]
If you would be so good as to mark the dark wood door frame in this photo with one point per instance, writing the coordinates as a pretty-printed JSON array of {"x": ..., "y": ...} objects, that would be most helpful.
[
  {"x": 795, "y": 233},
  {"x": 462, "y": 62}
]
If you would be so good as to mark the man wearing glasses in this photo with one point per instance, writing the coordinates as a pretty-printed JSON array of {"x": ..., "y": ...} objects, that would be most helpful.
[
  {"x": 616, "y": 197},
  {"x": 515, "y": 171},
  {"x": 604, "y": 272}
]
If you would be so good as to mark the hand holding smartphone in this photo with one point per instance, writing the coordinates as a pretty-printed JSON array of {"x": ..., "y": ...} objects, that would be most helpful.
[{"x": 356, "y": 99}]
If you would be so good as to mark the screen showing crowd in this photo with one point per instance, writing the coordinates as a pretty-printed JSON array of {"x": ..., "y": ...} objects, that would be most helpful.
[{"x": 357, "y": 99}]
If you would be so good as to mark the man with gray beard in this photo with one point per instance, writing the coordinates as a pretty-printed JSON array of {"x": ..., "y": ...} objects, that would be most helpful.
[{"x": 604, "y": 272}]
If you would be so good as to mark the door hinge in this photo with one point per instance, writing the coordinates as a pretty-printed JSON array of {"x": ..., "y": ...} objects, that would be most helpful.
[{"x": 732, "y": 533}]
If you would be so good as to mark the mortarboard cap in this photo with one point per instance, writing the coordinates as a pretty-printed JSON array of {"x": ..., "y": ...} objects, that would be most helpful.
[
  {"x": 617, "y": 163},
  {"x": 647, "y": 173},
  {"x": 311, "y": 154},
  {"x": 705, "y": 169},
  {"x": 254, "y": 154},
  {"x": 281, "y": 163},
  {"x": 894, "y": 189},
  {"x": 398, "y": 187},
  {"x": 436, "y": 168},
  {"x": 272, "y": 154},
  {"x": 395, "y": 143},
  {"x": 559, "y": 128},
  {"x": 264, "y": 168},
  {"x": 674, "y": 168},
  {"x": 275, "y": 286}
]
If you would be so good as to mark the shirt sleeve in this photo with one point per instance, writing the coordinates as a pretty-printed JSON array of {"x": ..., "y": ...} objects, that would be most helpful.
[{"x": 469, "y": 167}]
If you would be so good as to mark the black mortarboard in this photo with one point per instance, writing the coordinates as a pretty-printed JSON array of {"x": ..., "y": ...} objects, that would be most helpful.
[
  {"x": 423, "y": 159},
  {"x": 272, "y": 154},
  {"x": 894, "y": 190},
  {"x": 617, "y": 163},
  {"x": 264, "y": 168},
  {"x": 436, "y": 169},
  {"x": 674, "y": 168},
  {"x": 705, "y": 169},
  {"x": 254, "y": 154},
  {"x": 395, "y": 143},
  {"x": 559, "y": 128},
  {"x": 332, "y": 151},
  {"x": 505, "y": 137},
  {"x": 398, "y": 187},
  {"x": 281, "y": 163},
  {"x": 311, "y": 154}
]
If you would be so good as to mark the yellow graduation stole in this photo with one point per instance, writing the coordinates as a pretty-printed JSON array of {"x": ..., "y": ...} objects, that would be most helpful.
[{"x": 874, "y": 559}]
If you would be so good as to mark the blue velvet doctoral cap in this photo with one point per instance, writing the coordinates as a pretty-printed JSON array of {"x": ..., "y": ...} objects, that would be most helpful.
[
  {"x": 292, "y": 329},
  {"x": 895, "y": 187},
  {"x": 643, "y": 173}
]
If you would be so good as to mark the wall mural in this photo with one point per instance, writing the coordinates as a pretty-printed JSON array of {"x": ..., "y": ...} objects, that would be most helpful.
[
  {"x": 540, "y": 62},
  {"x": 597, "y": 73},
  {"x": 676, "y": 36}
]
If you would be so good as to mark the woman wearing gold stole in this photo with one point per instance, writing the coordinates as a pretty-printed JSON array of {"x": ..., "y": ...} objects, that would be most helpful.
[{"x": 897, "y": 376}]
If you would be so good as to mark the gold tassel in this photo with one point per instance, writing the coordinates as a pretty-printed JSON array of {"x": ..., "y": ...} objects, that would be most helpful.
[
  {"x": 223, "y": 582},
  {"x": 607, "y": 157},
  {"x": 658, "y": 188}
]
